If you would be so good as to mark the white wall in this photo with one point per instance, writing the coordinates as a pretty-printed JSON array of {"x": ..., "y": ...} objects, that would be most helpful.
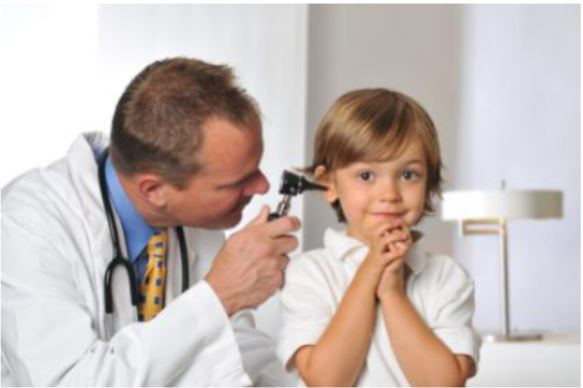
[
  {"x": 521, "y": 122},
  {"x": 502, "y": 85},
  {"x": 48, "y": 83},
  {"x": 63, "y": 68},
  {"x": 501, "y": 82}
]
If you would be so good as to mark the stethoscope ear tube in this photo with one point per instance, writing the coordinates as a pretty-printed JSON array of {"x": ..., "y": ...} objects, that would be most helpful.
[
  {"x": 183, "y": 257},
  {"x": 107, "y": 205},
  {"x": 119, "y": 259},
  {"x": 108, "y": 282}
]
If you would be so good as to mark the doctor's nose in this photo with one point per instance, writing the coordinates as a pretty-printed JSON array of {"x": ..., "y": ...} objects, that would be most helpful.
[{"x": 258, "y": 185}]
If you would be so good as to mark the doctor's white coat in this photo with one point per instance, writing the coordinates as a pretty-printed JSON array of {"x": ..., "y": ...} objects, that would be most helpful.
[{"x": 55, "y": 249}]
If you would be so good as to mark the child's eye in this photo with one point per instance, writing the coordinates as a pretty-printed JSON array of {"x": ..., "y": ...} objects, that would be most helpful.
[
  {"x": 409, "y": 175},
  {"x": 365, "y": 176}
]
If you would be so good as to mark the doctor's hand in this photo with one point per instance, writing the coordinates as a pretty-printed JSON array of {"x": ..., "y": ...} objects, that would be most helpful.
[{"x": 249, "y": 267}]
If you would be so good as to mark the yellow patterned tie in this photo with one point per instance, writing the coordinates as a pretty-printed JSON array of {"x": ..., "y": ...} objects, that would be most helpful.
[{"x": 154, "y": 281}]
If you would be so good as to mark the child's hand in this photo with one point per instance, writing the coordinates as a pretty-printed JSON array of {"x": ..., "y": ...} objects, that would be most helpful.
[
  {"x": 393, "y": 276},
  {"x": 381, "y": 237}
]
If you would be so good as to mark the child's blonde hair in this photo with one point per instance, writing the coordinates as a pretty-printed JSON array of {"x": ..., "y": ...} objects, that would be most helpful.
[{"x": 374, "y": 125}]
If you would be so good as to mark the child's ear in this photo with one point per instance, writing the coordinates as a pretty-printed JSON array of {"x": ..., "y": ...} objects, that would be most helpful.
[{"x": 323, "y": 176}]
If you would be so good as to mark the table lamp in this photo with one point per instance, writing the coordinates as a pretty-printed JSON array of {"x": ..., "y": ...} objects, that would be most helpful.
[{"x": 487, "y": 212}]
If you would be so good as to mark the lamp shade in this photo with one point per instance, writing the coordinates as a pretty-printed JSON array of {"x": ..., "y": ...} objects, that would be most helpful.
[{"x": 509, "y": 204}]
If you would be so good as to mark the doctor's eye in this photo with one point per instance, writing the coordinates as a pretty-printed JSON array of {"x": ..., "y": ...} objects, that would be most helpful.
[{"x": 366, "y": 176}]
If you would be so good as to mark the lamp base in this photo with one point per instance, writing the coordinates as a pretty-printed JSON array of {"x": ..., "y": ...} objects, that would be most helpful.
[{"x": 513, "y": 337}]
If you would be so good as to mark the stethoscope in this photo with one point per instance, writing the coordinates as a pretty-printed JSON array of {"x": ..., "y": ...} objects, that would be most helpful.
[{"x": 118, "y": 259}]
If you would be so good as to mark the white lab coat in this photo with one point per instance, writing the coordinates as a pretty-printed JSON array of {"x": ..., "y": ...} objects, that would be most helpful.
[{"x": 55, "y": 249}]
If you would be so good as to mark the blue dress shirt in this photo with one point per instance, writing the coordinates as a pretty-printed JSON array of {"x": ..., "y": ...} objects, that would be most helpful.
[{"x": 136, "y": 231}]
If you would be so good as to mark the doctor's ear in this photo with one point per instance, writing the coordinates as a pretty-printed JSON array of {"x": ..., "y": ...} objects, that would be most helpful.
[
  {"x": 324, "y": 176},
  {"x": 153, "y": 188}
]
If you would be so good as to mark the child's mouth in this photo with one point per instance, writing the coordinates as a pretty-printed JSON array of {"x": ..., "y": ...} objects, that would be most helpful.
[{"x": 389, "y": 215}]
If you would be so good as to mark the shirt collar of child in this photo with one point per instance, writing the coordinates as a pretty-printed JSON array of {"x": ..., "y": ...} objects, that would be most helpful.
[{"x": 344, "y": 248}]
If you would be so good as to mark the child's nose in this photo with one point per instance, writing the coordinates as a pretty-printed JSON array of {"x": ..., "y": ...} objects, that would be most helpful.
[{"x": 390, "y": 192}]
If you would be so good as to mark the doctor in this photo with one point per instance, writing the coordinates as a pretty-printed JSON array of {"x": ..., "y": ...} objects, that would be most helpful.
[{"x": 182, "y": 164}]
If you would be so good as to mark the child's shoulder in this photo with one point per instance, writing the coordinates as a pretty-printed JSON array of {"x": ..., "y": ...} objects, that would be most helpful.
[
  {"x": 442, "y": 281},
  {"x": 313, "y": 257},
  {"x": 315, "y": 261},
  {"x": 442, "y": 267}
]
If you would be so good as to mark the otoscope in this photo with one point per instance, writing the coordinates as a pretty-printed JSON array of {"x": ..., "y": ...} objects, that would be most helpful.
[{"x": 292, "y": 184}]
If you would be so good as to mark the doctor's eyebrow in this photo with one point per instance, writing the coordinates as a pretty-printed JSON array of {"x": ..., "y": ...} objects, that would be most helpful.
[{"x": 242, "y": 180}]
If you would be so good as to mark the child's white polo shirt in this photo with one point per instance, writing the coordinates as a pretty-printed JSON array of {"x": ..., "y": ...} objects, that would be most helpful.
[{"x": 315, "y": 282}]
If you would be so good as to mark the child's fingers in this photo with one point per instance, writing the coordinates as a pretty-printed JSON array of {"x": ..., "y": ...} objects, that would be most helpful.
[
  {"x": 395, "y": 249},
  {"x": 405, "y": 229},
  {"x": 402, "y": 247},
  {"x": 394, "y": 236},
  {"x": 389, "y": 258},
  {"x": 383, "y": 244},
  {"x": 374, "y": 234},
  {"x": 381, "y": 230},
  {"x": 386, "y": 227},
  {"x": 389, "y": 233},
  {"x": 373, "y": 230}
]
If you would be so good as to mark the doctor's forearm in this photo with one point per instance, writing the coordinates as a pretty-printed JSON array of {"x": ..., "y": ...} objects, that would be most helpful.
[{"x": 424, "y": 359}]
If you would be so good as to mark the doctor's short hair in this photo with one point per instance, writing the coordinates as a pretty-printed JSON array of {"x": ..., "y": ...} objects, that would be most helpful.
[
  {"x": 157, "y": 124},
  {"x": 374, "y": 125}
]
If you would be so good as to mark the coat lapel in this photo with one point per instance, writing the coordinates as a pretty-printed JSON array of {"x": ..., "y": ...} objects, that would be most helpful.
[{"x": 82, "y": 160}]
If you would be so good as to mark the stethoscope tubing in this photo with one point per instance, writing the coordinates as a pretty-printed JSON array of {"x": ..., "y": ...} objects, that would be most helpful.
[{"x": 118, "y": 259}]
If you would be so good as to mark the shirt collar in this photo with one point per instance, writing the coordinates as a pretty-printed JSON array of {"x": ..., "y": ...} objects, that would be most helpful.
[
  {"x": 136, "y": 231},
  {"x": 344, "y": 247}
]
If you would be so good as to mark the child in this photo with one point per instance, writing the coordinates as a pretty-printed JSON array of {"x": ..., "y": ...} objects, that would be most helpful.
[{"x": 369, "y": 308}]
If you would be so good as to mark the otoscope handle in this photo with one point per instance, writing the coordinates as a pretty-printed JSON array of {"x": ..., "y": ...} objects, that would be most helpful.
[
  {"x": 273, "y": 216},
  {"x": 282, "y": 208}
]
